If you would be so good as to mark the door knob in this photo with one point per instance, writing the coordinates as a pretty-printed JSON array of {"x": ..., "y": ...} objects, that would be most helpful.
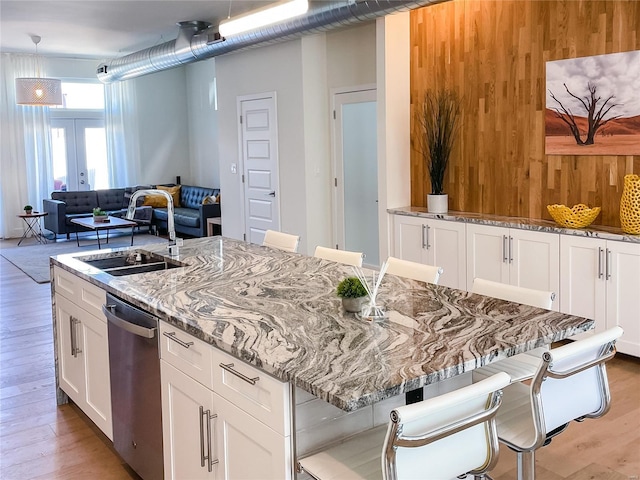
[{"x": 272, "y": 194}]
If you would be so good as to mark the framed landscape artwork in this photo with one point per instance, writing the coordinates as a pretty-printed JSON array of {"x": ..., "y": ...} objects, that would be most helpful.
[{"x": 593, "y": 105}]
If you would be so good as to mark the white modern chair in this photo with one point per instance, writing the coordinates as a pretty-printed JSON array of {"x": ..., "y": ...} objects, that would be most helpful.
[
  {"x": 570, "y": 384},
  {"x": 282, "y": 241},
  {"x": 341, "y": 256},
  {"x": 524, "y": 365},
  {"x": 438, "y": 438},
  {"x": 413, "y": 270}
]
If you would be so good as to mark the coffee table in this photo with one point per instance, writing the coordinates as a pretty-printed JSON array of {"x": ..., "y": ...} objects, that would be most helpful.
[
  {"x": 110, "y": 224},
  {"x": 32, "y": 221}
]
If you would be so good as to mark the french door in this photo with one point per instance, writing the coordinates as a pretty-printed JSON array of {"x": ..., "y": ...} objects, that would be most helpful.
[{"x": 79, "y": 154}]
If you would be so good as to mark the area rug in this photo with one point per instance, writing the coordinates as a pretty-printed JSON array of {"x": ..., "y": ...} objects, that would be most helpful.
[{"x": 33, "y": 258}]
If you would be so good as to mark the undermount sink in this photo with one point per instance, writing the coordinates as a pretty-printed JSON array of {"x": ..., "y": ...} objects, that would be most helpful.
[{"x": 130, "y": 262}]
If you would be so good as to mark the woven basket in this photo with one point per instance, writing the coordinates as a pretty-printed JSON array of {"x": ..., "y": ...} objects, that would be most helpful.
[
  {"x": 578, "y": 216},
  {"x": 630, "y": 205}
]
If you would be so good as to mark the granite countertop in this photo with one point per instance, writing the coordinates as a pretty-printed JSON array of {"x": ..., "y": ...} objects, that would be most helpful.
[
  {"x": 606, "y": 233},
  {"x": 278, "y": 311}
]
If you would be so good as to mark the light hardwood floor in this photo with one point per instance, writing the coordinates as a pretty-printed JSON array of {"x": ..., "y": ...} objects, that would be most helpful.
[{"x": 39, "y": 440}]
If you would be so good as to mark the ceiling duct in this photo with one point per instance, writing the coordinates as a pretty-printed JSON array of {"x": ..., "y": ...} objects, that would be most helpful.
[{"x": 197, "y": 41}]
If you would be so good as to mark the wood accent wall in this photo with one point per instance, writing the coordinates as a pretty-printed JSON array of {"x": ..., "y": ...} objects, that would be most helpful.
[{"x": 493, "y": 53}]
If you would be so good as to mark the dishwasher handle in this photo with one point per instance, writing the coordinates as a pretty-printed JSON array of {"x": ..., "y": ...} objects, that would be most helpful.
[{"x": 125, "y": 325}]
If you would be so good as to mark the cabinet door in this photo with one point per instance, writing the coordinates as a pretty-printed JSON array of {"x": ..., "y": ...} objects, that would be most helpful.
[
  {"x": 446, "y": 249},
  {"x": 70, "y": 360},
  {"x": 623, "y": 293},
  {"x": 248, "y": 448},
  {"x": 534, "y": 261},
  {"x": 487, "y": 253},
  {"x": 96, "y": 372},
  {"x": 184, "y": 430},
  {"x": 410, "y": 238},
  {"x": 582, "y": 278}
]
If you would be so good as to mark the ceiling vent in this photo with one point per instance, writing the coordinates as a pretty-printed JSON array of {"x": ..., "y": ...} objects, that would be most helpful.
[{"x": 198, "y": 41}]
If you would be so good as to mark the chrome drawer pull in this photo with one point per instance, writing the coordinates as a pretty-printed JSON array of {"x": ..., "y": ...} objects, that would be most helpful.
[
  {"x": 172, "y": 336},
  {"x": 229, "y": 368}
]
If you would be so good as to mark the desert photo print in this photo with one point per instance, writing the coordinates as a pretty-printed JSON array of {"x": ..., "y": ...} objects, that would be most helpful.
[{"x": 593, "y": 105}]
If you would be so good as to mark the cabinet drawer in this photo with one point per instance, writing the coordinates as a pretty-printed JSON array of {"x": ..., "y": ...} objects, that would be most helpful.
[
  {"x": 87, "y": 296},
  {"x": 186, "y": 353},
  {"x": 252, "y": 390}
]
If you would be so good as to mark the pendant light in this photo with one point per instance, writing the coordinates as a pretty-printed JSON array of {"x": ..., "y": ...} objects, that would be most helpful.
[
  {"x": 38, "y": 91},
  {"x": 265, "y": 16}
]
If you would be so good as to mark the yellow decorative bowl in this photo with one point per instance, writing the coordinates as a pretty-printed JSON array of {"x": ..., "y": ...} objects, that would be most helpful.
[{"x": 578, "y": 216}]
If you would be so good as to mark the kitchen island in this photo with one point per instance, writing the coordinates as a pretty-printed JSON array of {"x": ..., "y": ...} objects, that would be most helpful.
[{"x": 278, "y": 312}]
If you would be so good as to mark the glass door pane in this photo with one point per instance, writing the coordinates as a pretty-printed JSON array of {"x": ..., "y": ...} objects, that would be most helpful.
[
  {"x": 59, "y": 146},
  {"x": 92, "y": 134}
]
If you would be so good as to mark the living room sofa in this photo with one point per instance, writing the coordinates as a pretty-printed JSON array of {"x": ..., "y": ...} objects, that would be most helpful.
[{"x": 190, "y": 217}]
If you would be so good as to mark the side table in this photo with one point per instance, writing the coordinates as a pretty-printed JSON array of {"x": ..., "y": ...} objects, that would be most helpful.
[
  {"x": 32, "y": 222},
  {"x": 210, "y": 225}
]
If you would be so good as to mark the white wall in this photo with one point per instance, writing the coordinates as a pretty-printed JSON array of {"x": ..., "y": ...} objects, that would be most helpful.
[
  {"x": 276, "y": 68},
  {"x": 351, "y": 56},
  {"x": 163, "y": 127},
  {"x": 203, "y": 124}
]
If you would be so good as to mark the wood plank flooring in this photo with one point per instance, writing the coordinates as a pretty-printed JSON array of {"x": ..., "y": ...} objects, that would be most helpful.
[{"x": 39, "y": 440}]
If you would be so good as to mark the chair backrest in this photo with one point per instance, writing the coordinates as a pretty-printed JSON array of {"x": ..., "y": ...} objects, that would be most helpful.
[
  {"x": 414, "y": 270},
  {"x": 571, "y": 382},
  {"x": 342, "y": 256},
  {"x": 525, "y": 296},
  {"x": 447, "y": 435},
  {"x": 282, "y": 241}
]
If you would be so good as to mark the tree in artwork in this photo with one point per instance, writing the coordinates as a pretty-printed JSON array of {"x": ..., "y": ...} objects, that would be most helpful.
[{"x": 596, "y": 110}]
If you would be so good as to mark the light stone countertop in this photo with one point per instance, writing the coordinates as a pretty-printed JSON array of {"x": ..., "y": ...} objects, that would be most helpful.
[
  {"x": 596, "y": 231},
  {"x": 278, "y": 311}
]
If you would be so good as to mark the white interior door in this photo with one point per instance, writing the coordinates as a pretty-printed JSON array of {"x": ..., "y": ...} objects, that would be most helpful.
[
  {"x": 79, "y": 154},
  {"x": 259, "y": 149},
  {"x": 356, "y": 173}
]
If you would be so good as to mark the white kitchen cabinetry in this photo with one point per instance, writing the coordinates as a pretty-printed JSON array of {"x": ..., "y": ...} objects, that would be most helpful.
[
  {"x": 236, "y": 416},
  {"x": 523, "y": 258},
  {"x": 433, "y": 242},
  {"x": 83, "y": 350},
  {"x": 601, "y": 280}
]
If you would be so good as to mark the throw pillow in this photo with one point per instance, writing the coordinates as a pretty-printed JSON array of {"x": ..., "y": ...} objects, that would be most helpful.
[
  {"x": 155, "y": 201},
  {"x": 174, "y": 192},
  {"x": 209, "y": 199}
]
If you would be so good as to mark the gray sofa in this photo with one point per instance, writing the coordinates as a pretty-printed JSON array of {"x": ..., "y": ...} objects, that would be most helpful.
[{"x": 190, "y": 218}]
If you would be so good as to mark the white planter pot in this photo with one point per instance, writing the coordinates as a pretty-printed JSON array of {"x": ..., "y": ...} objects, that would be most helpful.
[{"x": 438, "y": 203}]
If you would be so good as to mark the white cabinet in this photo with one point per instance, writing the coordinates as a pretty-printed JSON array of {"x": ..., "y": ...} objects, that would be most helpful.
[
  {"x": 523, "y": 258},
  {"x": 433, "y": 242},
  {"x": 186, "y": 426},
  {"x": 83, "y": 359},
  {"x": 221, "y": 418},
  {"x": 601, "y": 280}
]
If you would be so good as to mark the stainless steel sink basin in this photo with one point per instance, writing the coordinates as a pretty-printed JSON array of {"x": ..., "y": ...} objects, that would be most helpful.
[{"x": 130, "y": 262}]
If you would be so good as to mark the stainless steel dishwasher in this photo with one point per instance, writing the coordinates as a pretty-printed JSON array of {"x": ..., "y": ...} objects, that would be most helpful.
[{"x": 134, "y": 360}]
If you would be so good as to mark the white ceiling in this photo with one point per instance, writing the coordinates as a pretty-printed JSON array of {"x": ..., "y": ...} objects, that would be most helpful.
[{"x": 104, "y": 29}]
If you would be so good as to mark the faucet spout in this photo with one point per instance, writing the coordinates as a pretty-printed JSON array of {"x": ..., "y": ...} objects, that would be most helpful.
[{"x": 131, "y": 210}]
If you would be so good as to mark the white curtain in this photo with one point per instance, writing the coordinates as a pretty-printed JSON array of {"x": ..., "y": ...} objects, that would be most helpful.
[
  {"x": 121, "y": 122},
  {"x": 25, "y": 148}
]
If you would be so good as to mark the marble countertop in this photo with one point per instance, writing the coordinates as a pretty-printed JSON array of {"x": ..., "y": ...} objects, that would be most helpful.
[
  {"x": 278, "y": 311},
  {"x": 607, "y": 233}
]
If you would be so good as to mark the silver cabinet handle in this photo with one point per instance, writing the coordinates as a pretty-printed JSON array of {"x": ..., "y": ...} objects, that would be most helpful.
[
  {"x": 229, "y": 368},
  {"x": 424, "y": 235},
  {"x": 428, "y": 246},
  {"x": 73, "y": 322},
  {"x": 505, "y": 254},
  {"x": 608, "y": 265},
  {"x": 599, "y": 262},
  {"x": 172, "y": 336},
  {"x": 510, "y": 249},
  {"x": 210, "y": 462},
  {"x": 202, "y": 455}
]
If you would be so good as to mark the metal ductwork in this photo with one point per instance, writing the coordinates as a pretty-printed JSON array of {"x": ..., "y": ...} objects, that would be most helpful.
[{"x": 197, "y": 41}]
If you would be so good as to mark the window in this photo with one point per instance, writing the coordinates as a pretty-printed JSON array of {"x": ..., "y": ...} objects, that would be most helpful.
[{"x": 82, "y": 96}]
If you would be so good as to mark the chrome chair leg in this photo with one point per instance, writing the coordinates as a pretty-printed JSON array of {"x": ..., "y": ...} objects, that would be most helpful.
[{"x": 526, "y": 465}]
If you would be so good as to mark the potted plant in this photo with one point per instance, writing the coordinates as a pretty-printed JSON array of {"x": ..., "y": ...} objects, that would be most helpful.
[
  {"x": 99, "y": 215},
  {"x": 352, "y": 293},
  {"x": 28, "y": 209},
  {"x": 437, "y": 119}
]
